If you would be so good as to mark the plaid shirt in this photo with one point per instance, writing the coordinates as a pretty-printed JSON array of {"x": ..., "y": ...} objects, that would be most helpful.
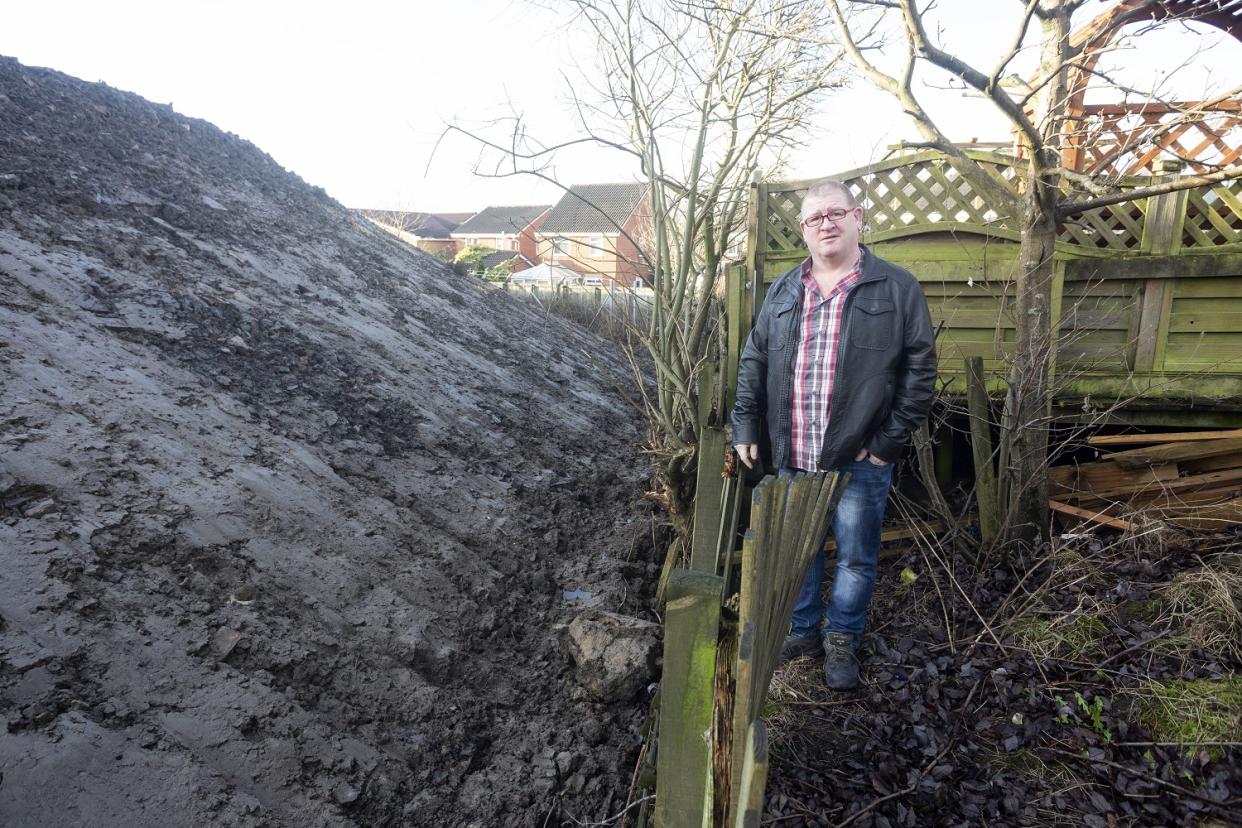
[{"x": 819, "y": 334}]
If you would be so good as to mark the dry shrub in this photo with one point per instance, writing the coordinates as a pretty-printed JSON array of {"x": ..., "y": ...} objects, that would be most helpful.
[
  {"x": 1206, "y": 604},
  {"x": 1077, "y": 562},
  {"x": 1152, "y": 537}
]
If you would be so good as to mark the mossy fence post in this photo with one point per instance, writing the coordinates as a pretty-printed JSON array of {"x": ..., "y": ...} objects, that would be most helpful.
[
  {"x": 788, "y": 524},
  {"x": 683, "y": 763}
]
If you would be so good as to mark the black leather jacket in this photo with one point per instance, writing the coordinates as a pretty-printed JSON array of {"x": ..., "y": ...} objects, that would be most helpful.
[{"x": 885, "y": 374}]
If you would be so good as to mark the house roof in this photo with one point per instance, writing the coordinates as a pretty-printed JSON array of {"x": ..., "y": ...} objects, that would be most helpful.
[
  {"x": 421, "y": 225},
  {"x": 499, "y": 256},
  {"x": 594, "y": 208},
  {"x": 493, "y": 220}
]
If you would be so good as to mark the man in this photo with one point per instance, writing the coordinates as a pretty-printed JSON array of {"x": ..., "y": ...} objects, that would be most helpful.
[{"x": 842, "y": 364}]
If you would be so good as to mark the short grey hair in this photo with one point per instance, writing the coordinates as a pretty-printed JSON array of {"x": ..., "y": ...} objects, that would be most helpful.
[{"x": 828, "y": 187}]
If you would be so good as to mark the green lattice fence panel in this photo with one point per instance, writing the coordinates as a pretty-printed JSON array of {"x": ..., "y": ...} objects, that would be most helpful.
[
  {"x": 1118, "y": 227},
  {"x": 784, "y": 234},
  {"x": 925, "y": 193},
  {"x": 899, "y": 197},
  {"x": 1213, "y": 216}
]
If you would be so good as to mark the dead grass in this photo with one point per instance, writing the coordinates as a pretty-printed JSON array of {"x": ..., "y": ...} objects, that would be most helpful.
[
  {"x": 1197, "y": 712},
  {"x": 1067, "y": 635},
  {"x": 1206, "y": 604},
  {"x": 1026, "y": 762}
]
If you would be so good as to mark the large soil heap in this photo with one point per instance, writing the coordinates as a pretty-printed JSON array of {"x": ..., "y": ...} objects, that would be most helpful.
[{"x": 286, "y": 508}]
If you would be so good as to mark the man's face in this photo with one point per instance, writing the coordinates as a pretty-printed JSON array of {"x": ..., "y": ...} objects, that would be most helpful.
[{"x": 831, "y": 239}]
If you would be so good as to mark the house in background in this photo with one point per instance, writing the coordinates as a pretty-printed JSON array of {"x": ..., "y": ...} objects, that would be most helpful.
[
  {"x": 596, "y": 229},
  {"x": 499, "y": 257},
  {"x": 426, "y": 231},
  {"x": 504, "y": 229}
]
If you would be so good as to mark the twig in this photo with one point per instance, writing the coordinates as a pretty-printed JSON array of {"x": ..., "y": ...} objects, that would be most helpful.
[
  {"x": 614, "y": 817},
  {"x": 1156, "y": 779}
]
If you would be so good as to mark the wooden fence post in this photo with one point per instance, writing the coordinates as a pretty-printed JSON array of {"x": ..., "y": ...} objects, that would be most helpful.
[
  {"x": 1162, "y": 236},
  {"x": 708, "y": 481},
  {"x": 687, "y": 691},
  {"x": 981, "y": 450}
]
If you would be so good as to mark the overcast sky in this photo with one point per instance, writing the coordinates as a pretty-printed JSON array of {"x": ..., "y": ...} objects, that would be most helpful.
[{"x": 353, "y": 96}]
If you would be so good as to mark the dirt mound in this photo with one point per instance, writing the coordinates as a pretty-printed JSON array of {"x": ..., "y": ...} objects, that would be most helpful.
[{"x": 287, "y": 509}]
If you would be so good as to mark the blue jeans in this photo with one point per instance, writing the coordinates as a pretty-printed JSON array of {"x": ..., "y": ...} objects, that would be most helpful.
[{"x": 856, "y": 527}]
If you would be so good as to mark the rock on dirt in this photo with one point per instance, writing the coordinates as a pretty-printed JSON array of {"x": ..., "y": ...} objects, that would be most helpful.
[
  {"x": 286, "y": 507},
  {"x": 616, "y": 655}
]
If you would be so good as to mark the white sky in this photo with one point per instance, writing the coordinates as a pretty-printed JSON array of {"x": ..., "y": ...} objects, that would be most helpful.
[{"x": 352, "y": 96}]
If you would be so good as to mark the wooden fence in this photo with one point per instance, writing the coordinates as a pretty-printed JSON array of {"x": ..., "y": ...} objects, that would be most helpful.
[
  {"x": 712, "y": 756},
  {"x": 1146, "y": 298}
]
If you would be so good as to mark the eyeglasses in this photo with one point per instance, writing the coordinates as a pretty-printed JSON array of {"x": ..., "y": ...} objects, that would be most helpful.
[{"x": 832, "y": 215}]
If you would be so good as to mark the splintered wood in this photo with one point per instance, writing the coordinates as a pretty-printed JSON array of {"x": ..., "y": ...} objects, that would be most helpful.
[{"x": 1191, "y": 480}]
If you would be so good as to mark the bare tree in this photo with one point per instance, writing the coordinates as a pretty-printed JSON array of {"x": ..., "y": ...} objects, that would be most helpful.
[
  {"x": 700, "y": 94},
  {"x": 1047, "y": 193}
]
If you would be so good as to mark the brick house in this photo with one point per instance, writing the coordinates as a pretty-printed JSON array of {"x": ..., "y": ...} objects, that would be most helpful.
[
  {"x": 504, "y": 229},
  {"x": 426, "y": 231},
  {"x": 595, "y": 229}
]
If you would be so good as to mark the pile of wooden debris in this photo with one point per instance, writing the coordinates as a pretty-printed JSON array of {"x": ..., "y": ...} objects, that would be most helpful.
[{"x": 1192, "y": 480}]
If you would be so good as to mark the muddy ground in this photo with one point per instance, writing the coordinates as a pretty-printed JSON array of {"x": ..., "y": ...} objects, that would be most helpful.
[{"x": 287, "y": 509}]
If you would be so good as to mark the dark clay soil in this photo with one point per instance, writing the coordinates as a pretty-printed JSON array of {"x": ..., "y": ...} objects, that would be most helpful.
[{"x": 286, "y": 507}]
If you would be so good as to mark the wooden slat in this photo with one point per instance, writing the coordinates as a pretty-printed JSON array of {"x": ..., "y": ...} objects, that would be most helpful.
[
  {"x": 1149, "y": 439},
  {"x": 986, "y": 494},
  {"x": 987, "y": 320},
  {"x": 1154, "y": 488},
  {"x": 744, "y": 675},
  {"x": 894, "y": 533},
  {"x": 754, "y": 778},
  {"x": 707, "y": 502},
  {"x": 1211, "y": 287},
  {"x": 1210, "y": 464},
  {"x": 1221, "y": 516},
  {"x": 1103, "y": 476},
  {"x": 1091, "y": 516},
  {"x": 1174, "y": 452},
  {"x": 1191, "y": 306},
  {"x": 1158, "y": 501},
  {"x": 726, "y": 540},
  {"x": 1227, "y": 322}
]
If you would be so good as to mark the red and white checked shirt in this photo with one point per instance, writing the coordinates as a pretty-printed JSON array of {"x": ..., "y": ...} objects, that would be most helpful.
[{"x": 819, "y": 334}]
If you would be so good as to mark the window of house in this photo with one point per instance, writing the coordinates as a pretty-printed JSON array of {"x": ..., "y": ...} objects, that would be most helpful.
[{"x": 597, "y": 247}]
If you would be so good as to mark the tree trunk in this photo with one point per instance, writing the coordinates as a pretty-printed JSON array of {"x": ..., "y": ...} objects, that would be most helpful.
[
  {"x": 1027, "y": 406},
  {"x": 1026, "y": 477}
]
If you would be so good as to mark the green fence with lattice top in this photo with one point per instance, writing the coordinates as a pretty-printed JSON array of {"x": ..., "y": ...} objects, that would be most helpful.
[{"x": 1147, "y": 295}]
